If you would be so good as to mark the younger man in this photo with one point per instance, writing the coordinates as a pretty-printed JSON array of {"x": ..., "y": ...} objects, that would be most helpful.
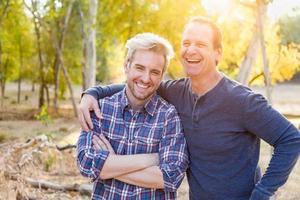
[{"x": 137, "y": 150}]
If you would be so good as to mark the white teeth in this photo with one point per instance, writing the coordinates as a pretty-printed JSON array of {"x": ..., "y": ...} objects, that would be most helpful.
[
  {"x": 142, "y": 86},
  {"x": 193, "y": 60}
]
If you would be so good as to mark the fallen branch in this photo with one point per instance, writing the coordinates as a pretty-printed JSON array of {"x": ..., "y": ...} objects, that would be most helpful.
[
  {"x": 85, "y": 189},
  {"x": 62, "y": 148}
]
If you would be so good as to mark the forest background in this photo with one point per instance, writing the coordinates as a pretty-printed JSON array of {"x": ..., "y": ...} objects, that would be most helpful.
[{"x": 52, "y": 50}]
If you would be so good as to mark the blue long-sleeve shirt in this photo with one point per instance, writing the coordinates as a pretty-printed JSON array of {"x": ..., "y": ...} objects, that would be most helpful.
[{"x": 223, "y": 129}]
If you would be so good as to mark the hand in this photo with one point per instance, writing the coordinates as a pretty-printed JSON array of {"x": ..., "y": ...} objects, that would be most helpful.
[
  {"x": 101, "y": 143},
  {"x": 87, "y": 103}
]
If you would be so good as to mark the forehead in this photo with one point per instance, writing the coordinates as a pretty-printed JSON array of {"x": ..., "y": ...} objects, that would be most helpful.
[
  {"x": 198, "y": 31},
  {"x": 148, "y": 59}
]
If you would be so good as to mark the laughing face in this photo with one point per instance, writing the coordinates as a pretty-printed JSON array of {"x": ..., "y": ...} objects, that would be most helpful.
[
  {"x": 198, "y": 55},
  {"x": 144, "y": 73}
]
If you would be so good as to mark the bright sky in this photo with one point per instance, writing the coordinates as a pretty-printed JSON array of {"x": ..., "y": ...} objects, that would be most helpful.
[
  {"x": 281, "y": 7},
  {"x": 275, "y": 9}
]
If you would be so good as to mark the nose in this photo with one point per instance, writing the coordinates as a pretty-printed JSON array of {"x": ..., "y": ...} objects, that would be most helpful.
[
  {"x": 191, "y": 49},
  {"x": 146, "y": 77}
]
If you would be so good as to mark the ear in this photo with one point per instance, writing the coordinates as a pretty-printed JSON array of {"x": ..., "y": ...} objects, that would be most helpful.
[
  {"x": 219, "y": 54},
  {"x": 126, "y": 65}
]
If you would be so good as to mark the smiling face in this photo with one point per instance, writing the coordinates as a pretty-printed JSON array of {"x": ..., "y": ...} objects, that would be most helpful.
[
  {"x": 198, "y": 55},
  {"x": 144, "y": 73}
]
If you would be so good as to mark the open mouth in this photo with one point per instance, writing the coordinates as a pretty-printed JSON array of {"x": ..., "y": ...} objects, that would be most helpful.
[
  {"x": 142, "y": 86},
  {"x": 193, "y": 61}
]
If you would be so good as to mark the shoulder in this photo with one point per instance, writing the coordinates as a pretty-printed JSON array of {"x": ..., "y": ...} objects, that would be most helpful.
[
  {"x": 165, "y": 108},
  {"x": 174, "y": 90},
  {"x": 236, "y": 92},
  {"x": 111, "y": 100},
  {"x": 175, "y": 84}
]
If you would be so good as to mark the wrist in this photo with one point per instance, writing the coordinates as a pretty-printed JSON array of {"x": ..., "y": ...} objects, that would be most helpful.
[{"x": 258, "y": 194}]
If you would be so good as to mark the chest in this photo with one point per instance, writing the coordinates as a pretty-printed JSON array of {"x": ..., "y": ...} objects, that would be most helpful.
[
  {"x": 132, "y": 133},
  {"x": 211, "y": 127}
]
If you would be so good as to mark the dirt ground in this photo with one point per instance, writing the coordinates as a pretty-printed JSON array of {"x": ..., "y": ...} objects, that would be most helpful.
[{"x": 18, "y": 125}]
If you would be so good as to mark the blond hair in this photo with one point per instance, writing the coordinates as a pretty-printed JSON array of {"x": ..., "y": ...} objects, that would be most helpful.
[{"x": 151, "y": 42}]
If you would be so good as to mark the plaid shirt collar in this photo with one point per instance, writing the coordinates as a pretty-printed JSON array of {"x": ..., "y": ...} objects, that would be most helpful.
[{"x": 149, "y": 107}]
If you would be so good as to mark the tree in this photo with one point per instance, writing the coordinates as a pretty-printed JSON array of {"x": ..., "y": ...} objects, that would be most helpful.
[
  {"x": 35, "y": 9},
  {"x": 89, "y": 70}
]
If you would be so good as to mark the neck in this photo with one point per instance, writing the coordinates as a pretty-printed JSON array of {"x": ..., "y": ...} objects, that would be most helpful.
[
  {"x": 203, "y": 84},
  {"x": 135, "y": 103}
]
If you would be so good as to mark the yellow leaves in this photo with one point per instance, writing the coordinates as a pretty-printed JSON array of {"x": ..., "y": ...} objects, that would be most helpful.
[
  {"x": 284, "y": 61},
  {"x": 287, "y": 63}
]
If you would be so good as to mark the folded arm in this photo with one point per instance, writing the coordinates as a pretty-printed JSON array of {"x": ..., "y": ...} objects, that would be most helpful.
[
  {"x": 173, "y": 160},
  {"x": 101, "y": 164}
]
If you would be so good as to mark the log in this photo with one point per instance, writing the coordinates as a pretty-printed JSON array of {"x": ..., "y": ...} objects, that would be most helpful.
[{"x": 84, "y": 189}]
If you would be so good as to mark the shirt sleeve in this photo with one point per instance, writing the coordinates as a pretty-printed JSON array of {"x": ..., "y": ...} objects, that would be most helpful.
[
  {"x": 90, "y": 161},
  {"x": 268, "y": 124},
  {"x": 99, "y": 92},
  {"x": 173, "y": 153}
]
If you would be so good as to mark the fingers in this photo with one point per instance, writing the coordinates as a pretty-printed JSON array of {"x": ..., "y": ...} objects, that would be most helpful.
[
  {"x": 97, "y": 110},
  {"x": 107, "y": 144},
  {"x": 98, "y": 144},
  {"x": 95, "y": 107},
  {"x": 88, "y": 103},
  {"x": 87, "y": 118},
  {"x": 82, "y": 122}
]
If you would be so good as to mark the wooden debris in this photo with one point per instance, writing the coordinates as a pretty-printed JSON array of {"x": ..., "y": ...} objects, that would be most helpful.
[{"x": 84, "y": 189}]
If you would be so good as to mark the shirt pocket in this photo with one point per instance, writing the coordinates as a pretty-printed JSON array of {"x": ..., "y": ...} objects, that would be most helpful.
[{"x": 147, "y": 139}]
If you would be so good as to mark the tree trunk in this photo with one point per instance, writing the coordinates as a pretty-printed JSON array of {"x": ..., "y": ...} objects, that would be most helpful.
[
  {"x": 84, "y": 44},
  {"x": 20, "y": 69},
  {"x": 249, "y": 59},
  {"x": 32, "y": 86},
  {"x": 68, "y": 80},
  {"x": 41, "y": 63},
  {"x": 261, "y": 14},
  {"x": 56, "y": 83},
  {"x": 59, "y": 53},
  {"x": 5, "y": 7},
  {"x": 90, "y": 69},
  {"x": 61, "y": 48},
  {"x": 3, "y": 81},
  {"x": 47, "y": 95},
  {"x": 37, "y": 25}
]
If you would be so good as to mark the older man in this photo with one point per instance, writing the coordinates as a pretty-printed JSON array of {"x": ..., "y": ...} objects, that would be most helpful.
[
  {"x": 223, "y": 123},
  {"x": 137, "y": 150}
]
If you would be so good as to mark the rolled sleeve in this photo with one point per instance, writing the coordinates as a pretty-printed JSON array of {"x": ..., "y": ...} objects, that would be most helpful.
[
  {"x": 89, "y": 161},
  {"x": 261, "y": 195},
  {"x": 173, "y": 153}
]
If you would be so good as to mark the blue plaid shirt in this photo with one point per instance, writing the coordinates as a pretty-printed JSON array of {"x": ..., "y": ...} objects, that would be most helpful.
[{"x": 154, "y": 129}]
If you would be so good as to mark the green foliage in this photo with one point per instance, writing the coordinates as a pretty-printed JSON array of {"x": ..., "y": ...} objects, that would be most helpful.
[
  {"x": 119, "y": 20},
  {"x": 44, "y": 116},
  {"x": 290, "y": 28},
  {"x": 50, "y": 161},
  {"x": 3, "y": 137}
]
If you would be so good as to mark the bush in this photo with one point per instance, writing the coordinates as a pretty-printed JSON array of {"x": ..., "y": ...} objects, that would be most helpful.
[{"x": 44, "y": 116}]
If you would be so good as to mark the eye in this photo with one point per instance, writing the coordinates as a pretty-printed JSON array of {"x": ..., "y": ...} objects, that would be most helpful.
[
  {"x": 156, "y": 73},
  {"x": 139, "y": 67},
  {"x": 186, "y": 43},
  {"x": 200, "y": 45}
]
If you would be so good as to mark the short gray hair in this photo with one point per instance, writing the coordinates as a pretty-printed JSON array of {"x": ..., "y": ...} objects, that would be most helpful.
[{"x": 152, "y": 42}]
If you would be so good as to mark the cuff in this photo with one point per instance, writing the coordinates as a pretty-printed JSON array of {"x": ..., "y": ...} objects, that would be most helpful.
[
  {"x": 98, "y": 163},
  {"x": 172, "y": 179},
  {"x": 259, "y": 194}
]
